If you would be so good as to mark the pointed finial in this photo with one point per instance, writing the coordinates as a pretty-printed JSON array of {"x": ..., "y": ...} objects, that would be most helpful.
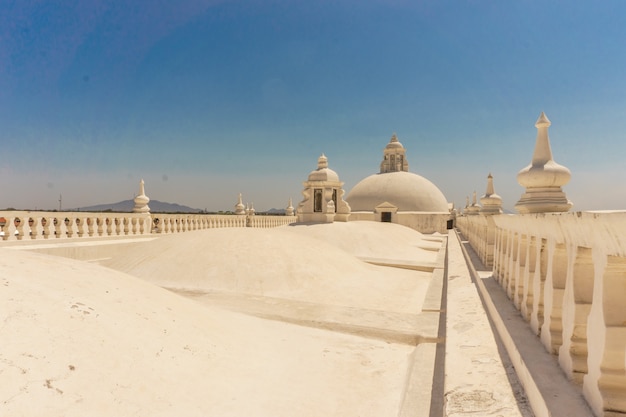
[
  {"x": 490, "y": 189},
  {"x": 322, "y": 162},
  {"x": 289, "y": 210},
  {"x": 543, "y": 151},
  {"x": 394, "y": 137},
  {"x": 142, "y": 200},
  {"x": 240, "y": 209},
  {"x": 492, "y": 202},
  {"x": 543, "y": 178},
  {"x": 543, "y": 121}
]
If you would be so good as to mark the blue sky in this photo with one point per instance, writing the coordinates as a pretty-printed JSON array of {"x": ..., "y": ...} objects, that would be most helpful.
[{"x": 206, "y": 99}]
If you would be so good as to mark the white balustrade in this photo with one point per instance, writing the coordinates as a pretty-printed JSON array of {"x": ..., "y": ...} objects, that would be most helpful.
[
  {"x": 566, "y": 273},
  {"x": 38, "y": 225}
]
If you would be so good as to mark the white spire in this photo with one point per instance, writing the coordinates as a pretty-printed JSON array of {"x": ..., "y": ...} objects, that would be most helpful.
[
  {"x": 489, "y": 190},
  {"x": 543, "y": 178},
  {"x": 474, "y": 208},
  {"x": 322, "y": 162},
  {"x": 142, "y": 200},
  {"x": 289, "y": 210},
  {"x": 240, "y": 209},
  {"x": 543, "y": 152},
  {"x": 492, "y": 202}
]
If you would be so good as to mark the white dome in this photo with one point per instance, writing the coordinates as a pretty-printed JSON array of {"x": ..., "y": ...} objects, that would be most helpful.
[
  {"x": 405, "y": 190},
  {"x": 323, "y": 174},
  {"x": 394, "y": 145}
]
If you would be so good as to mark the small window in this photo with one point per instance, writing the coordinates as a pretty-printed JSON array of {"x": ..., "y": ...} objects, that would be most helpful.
[
  {"x": 385, "y": 216},
  {"x": 317, "y": 200}
]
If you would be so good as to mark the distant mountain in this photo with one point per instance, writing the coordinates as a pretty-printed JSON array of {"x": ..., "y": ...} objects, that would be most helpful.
[
  {"x": 126, "y": 206},
  {"x": 275, "y": 211}
]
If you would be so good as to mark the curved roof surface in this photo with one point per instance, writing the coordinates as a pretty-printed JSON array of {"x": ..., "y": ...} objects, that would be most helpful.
[
  {"x": 157, "y": 351},
  {"x": 293, "y": 263},
  {"x": 405, "y": 190},
  {"x": 323, "y": 174}
]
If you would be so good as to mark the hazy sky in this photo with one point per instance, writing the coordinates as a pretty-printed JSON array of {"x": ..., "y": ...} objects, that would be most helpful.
[{"x": 206, "y": 99}]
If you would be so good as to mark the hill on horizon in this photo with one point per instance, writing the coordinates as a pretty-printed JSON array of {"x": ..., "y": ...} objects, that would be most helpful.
[{"x": 156, "y": 206}]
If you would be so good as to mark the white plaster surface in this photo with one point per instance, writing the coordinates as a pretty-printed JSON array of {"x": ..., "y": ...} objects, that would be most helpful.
[
  {"x": 81, "y": 339},
  {"x": 477, "y": 381},
  {"x": 298, "y": 263}
]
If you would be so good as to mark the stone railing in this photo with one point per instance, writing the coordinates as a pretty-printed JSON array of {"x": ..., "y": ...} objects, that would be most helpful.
[
  {"x": 31, "y": 225},
  {"x": 566, "y": 274},
  {"x": 480, "y": 231}
]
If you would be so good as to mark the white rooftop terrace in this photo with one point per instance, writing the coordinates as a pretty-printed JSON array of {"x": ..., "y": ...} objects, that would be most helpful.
[{"x": 341, "y": 319}]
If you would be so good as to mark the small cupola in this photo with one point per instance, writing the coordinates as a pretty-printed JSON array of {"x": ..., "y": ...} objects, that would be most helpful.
[
  {"x": 323, "y": 196},
  {"x": 394, "y": 157}
]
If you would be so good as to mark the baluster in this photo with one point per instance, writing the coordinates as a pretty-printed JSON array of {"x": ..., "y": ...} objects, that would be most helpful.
[
  {"x": 89, "y": 222},
  {"x": 45, "y": 227},
  {"x": 57, "y": 227},
  {"x": 69, "y": 230},
  {"x": 32, "y": 228},
  {"x": 18, "y": 228},
  {"x": 80, "y": 226},
  {"x": 576, "y": 308},
  {"x": 605, "y": 385}
]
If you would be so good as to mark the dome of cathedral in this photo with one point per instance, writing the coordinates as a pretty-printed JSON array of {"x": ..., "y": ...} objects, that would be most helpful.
[
  {"x": 396, "y": 185},
  {"x": 405, "y": 190}
]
